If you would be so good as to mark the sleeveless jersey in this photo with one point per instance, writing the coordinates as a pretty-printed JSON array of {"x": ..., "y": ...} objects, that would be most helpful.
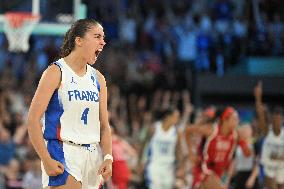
[
  {"x": 273, "y": 148},
  {"x": 73, "y": 111},
  {"x": 218, "y": 151},
  {"x": 163, "y": 145}
]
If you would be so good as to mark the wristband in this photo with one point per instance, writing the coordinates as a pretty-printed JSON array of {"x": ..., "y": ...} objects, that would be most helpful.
[{"x": 108, "y": 157}]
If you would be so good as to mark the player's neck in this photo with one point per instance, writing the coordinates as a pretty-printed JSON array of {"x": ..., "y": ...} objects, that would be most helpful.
[
  {"x": 76, "y": 63},
  {"x": 276, "y": 130},
  {"x": 166, "y": 125},
  {"x": 224, "y": 130}
]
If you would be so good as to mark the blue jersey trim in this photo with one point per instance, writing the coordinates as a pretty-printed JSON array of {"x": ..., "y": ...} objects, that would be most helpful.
[
  {"x": 52, "y": 117},
  {"x": 94, "y": 77},
  {"x": 98, "y": 84},
  {"x": 147, "y": 176},
  {"x": 58, "y": 63},
  {"x": 55, "y": 149}
]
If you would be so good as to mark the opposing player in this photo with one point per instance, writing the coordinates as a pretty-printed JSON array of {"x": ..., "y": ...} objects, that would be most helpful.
[
  {"x": 272, "y": 155},
  {"x": 164, "y": 150},
  {"x": 68, "y": 119},
  {"x": 216, "y": 149}
]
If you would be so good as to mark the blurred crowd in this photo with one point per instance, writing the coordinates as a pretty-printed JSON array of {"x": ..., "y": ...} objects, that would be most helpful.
[
  {"x": 165, "y": 44},
  {"x": 154, "y": 50},
  {"x": 132, "y": 116}
]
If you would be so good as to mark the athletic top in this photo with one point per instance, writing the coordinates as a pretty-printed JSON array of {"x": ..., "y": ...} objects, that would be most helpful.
[
  {"x": 272, "y": 154},
  {"x": 161, "y": 149},
  {"x": 73, "y": 111},
  {"x": 218, "y": 151}
]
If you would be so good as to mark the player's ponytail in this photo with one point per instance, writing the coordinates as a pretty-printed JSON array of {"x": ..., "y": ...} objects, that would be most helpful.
[
  {"x": 67, "y": 45},
  {"x": 78, "y": 29}
]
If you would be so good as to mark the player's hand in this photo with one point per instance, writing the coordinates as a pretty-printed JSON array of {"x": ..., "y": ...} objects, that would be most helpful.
[
  {"x": 250, "y": 182},
  {"x": 258, "y": 89},
  {"x": 53, "y": 167},
  {"x": 106, "y": 169}
]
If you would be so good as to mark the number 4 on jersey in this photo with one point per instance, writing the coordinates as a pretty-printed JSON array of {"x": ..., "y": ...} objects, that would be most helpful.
[{"x": 84, "y": 116}]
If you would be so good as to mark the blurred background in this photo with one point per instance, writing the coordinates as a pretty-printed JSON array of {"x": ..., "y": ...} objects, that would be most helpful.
[{"x": 188, "y": 54}]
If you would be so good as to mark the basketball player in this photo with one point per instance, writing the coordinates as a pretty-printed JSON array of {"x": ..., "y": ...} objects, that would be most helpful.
[
  {"x": 216, "y": 149},
  {"x": 164, "y": 150},
  {"x": 272, "y": 155},
  {"x": 70, "y": 108}
]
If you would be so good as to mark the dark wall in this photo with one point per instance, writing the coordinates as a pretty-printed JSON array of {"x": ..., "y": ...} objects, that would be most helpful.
[{"x": 237, "y": 89}]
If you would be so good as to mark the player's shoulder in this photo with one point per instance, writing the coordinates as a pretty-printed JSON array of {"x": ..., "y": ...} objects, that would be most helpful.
[
  {"x": 100, "y": 77},
  {"x": 53, "y": 70},
  {"x": 98, "y": 74},
  {"x": 51, "y": 76}
]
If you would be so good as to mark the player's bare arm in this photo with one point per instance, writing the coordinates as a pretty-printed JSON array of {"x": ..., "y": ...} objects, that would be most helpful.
[
  {"x": 262, "y": 122},
  {"x": 179, "y": 152},
  {"x": 202, "y": 130},
  {"x": 106, "y": 168},
  {"x": 48, "y": 83}
]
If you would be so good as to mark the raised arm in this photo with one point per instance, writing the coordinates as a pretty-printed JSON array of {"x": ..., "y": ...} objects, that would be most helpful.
[
  {"x": 188, "y": 109},
  {"x": 48, "y": 83},
  {"x": 262, "y": 122}
]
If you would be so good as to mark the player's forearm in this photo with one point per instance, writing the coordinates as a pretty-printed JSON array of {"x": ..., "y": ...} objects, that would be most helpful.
[
  {"x": 36, "y": 137},
  {"x": 106, "y": 142},
  {"x": 261, "y": 114},
  {"x": 259, "y": 108},
  {"x": 188, "y": 140},
  {"x": 179, "y": 155},
  {"x": 255, "y": 172},
  {"x": 230, "y": 172}
]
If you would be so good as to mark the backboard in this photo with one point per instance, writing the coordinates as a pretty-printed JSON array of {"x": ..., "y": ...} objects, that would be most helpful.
[{"x": 56, "y": 15}]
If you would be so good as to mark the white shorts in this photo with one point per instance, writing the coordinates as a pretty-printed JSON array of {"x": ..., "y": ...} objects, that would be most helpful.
[
  {"x": 82, "y": 162},
  {"x": 160, "y": 177},
  {"x": 275, "y": 172}
]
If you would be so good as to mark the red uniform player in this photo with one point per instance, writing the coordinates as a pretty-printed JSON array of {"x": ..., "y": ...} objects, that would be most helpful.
[{"x": 216, "y": 149}]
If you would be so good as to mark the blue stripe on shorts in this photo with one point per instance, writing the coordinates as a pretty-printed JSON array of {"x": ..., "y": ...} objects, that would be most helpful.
[{"x": 55, "y": 148}]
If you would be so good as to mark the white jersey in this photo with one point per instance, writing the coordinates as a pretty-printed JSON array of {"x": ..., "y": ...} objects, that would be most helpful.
[
  {"x": 73, "y": 111},
  {"x": 161, "y": 150},
  {"x": 273, "y": 146}
]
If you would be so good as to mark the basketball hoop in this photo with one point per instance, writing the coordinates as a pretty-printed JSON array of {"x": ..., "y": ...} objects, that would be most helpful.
[{"x": 18, "y": 27}]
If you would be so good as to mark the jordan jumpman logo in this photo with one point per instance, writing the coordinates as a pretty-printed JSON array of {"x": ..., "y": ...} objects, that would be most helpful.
[{"x": 72, "y": 81}]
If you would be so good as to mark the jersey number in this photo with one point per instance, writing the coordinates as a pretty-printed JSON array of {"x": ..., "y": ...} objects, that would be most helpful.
[{"x": 84, "y": 116}]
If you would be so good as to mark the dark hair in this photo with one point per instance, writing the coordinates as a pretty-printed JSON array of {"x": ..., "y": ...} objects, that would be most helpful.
[
  {"x": 78, "y": 29},
  {"x": 210, "y": 114},
  {"x": 162, "y": 114},
  {"x": 224, "y": 113},
  {"x": 277, "y": 110}
]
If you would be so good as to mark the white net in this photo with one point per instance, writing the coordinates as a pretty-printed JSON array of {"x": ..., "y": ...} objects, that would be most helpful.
[{"x": 18, "y": 28}]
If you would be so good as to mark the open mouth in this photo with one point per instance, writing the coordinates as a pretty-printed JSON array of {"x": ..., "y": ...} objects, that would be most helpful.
[{"x": 97, "y": 53}]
